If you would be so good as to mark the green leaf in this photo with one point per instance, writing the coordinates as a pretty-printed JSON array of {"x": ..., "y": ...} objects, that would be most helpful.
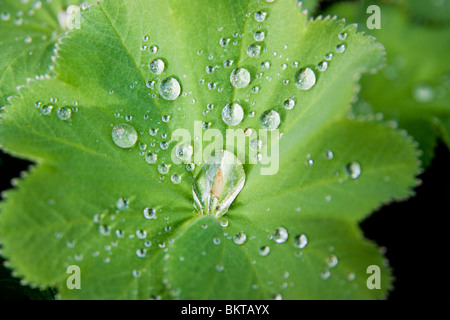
[
  {"x": 88, "y": 201},
  {"x": 29, "y": 31},
  {"x": 412, "y": 89}
]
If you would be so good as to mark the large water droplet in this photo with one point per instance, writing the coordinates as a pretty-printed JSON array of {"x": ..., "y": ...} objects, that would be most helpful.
[
  {"x": 219, "y": 181},
  {"x": 270, "y": 120},
  {"x": 240, "y": 77},
  {"x": 305, "y": 79},
  {"x": 184, "y": 151},
  {"x": 170, "y": 88},
  {"x": 124, "y": 135},
  {"x": 232, "y": 114}
]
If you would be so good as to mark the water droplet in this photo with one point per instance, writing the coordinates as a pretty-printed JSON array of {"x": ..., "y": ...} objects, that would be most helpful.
[
  {"x": 301, "y": 241},
  {"x": 224, "y": 42},
  {"x": 329, "y": 154},
  {"x": 305, "y": 79},
  {"x": 219, "y": 267},
  {"x": 342, "y": 36},
  {"x": 340, "y": 48},
  {"x": 264, "y": 251},
  {"x": 219, "y": 181},
  {"x": 141, "y": 234},
  {"x": 149, "y": 213},
  {"x": 240, "y": 78},
  {"x": 289, "y": 104},
  {"x": 151, "y": 157},
  {"x": 256, "y": 144},
  {"x": 232, "y": 114},
  {"x": 328, "y": 56},
  {"x": 332, "y": 261},
  {"x": 228, "y": 63},
  {"x": 259, "y": 35},
  {"x": 124, "y": 135},
  {"x": 122, "y": 204},
  {"x": 140, "y": 253},
  {"x": 240, "y": 238},
  {"x": 260, "y": 16},
  {"x": 153, "y": 49},
  {"x": 353, "y": 169},
  {"x": 270, "y": 120},
  {"x": 322, "y": 66},
  {"x": 64, "y": 113},
  {"x": 184, "y": 151},
  {"x": 175, "y": 178},
  {"x": 325, "y": 274},
  {"x": 170, "y": 88},
  {"x": 163, "y": 168},
  {"x": 253, "y": 50},
  {"x": 216, "y": 241},
  {"x": 47, "y": 109},
  {"x": 156, "y": 66},
  {"x": 280, "y": 235},
  {"x": 265, "y": 65}
]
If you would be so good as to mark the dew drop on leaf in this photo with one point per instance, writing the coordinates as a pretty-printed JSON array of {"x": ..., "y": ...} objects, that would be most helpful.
[
  {"x": 240, "y": 238},
  {"x": 301, "y": 241},
  {"x": 289, "y": 104},
  {"x": 169, "y": 88},
  {"x": 151, "y": 157},
  {"x": 264, "y": 251},
  {"x": 64, "y": 113},
  {"x": 305, "y": 79},
  {"x": 270, "y": 120},
  {"x": 156, "y": 66},
  {"x": 259, "y": 35},
  {"x": 280, "y": 235},
  {"x": 240, "y": 78},
  {"x": 353, "y": 169},
  {"x": 253, "y": 50},
  {"x": 47, "y": 109},
  {"x": 232, "y": 114},
  {"x": 124, "y": 135},
  {"x": 340, "y": 48},
  {"x": 149, "y": 213},
  {"x": 260, "y": 16}
]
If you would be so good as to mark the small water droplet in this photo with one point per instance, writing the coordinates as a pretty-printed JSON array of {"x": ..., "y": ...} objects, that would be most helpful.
[
  {"x": 47, "y": 109},
  {"x": 169, "y": 88},
  {"x": 305, "y": 79},
  {"x": 259, "y": 35},
  {"x": 323, "y": 66},
  {"x": 353, "y": 169},
  {"x": 340, "y": 48},
  {"x": 156, "y": 66},
  {"x": 175, "y": 178},
  {"x": 270, "y": 120},
  {"x": 151, "y": 157},
  {"x": 253, "y": 50},
  {"x": 140, "y": 253},
  {"x": 149, "y": 213},
  {"x": 64, "y": 113},
  {"x": 280, "y": 235},
  {"x": 240, "y": 78},
  {"x": 124, "y": 135},
  {"x": 342, "y": 36},
  {"x": 328, "y": 56},
  {"x": 264, "y": 251},
  {"x": 153, "y": 49},
  {"x": 329, "y": 154},
  {"x": 332, "y": 261},
  {"x": 423, "y": 93},
  {"x": 260, "y": 16},
  {"x": 240, "y": 238},
  {"x": 289, "y": 104},
  {"x": 163, "y": 168},
  {"x": 301, "y": 241},
  {"x": 232, "y": 114},
  {"x": 265, "y": 65}
]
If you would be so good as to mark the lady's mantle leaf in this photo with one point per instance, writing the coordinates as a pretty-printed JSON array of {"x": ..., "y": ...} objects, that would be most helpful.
[{"x": 118, "y": 207}]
